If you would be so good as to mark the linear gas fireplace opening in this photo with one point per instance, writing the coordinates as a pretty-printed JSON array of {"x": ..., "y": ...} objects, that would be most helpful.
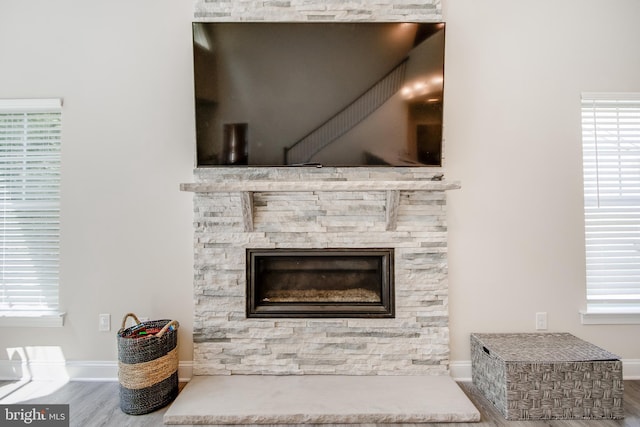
[{"x": 320, "y": 283}]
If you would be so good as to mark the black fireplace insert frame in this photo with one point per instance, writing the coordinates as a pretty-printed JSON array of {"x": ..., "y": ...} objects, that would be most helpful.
[{"x": 385, "y": 308}]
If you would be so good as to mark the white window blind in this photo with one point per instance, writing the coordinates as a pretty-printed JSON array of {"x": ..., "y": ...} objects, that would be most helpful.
[
  {"x": 29, "y": 206},
  {"x": 611, "y": 160}
]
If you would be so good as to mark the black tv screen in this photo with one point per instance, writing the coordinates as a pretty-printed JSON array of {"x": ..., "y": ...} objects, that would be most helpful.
[{"x": 330, "y": 94}]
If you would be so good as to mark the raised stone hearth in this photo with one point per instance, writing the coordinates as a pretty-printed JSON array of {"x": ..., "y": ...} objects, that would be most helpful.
[
  {"x": 242, "y": 209},
  {"x": 326, "y": 399}
]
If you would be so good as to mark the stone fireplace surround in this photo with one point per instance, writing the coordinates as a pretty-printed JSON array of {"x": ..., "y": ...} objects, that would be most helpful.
[
  {"x": 312, "y": 208},
  {"x": 308, "y": 208}
]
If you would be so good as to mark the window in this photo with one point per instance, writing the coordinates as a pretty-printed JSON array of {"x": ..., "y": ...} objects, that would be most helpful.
[
  {"x": 29, "y": 208},
  {"x": 611, "y": 160}
]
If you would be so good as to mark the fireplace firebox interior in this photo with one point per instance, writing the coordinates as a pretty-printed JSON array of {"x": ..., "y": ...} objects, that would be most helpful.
[{"x": 320, "y": 283}]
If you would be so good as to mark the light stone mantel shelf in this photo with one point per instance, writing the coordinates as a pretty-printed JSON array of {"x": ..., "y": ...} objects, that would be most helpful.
[
  {"x": 320, "y": 185},
  {"x": 392, "y": 188}
]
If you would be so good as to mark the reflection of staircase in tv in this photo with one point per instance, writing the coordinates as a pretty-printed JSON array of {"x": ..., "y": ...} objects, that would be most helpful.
[{"x": 346, "y": 119}]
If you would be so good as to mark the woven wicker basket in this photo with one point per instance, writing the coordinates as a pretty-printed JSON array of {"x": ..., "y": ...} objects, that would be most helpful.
[
  {"x": 147, "y": 366},
  {"x": 547, "y": 376}
]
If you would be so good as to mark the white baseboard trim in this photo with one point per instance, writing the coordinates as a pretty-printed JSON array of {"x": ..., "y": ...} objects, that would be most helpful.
[
  {"x": 11, "y": 370},
  {"x": 461, "y": 370},
  {"x": 91, "y": 370},
  {"x": 631, "y": 369}
]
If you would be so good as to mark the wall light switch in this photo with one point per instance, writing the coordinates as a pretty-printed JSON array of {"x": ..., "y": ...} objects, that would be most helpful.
[{"x": 104, "y": 322}]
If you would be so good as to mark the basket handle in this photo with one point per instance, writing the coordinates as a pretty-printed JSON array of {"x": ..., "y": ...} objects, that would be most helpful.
[
  {"x": 166, "y": 327},
  {"x": 126, "y": 316}
]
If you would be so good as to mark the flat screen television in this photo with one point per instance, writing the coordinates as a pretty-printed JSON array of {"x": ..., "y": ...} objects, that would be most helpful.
[{"x": 324, "y": 94}]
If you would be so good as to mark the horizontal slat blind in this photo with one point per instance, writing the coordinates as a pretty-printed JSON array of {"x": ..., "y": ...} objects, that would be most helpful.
[
  {"x": 611, "y": 159},
  {"x": 29, "y": 205}
]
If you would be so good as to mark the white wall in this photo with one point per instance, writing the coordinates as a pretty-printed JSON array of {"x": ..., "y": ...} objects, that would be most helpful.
[
  {"x": 124, "y": 71},
  {"x": 513, "y": 78},
  {"x": 514, "y": 75}
]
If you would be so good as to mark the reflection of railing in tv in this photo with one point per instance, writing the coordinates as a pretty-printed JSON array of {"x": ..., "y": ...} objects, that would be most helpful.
[{"x": 347, "y": 118}]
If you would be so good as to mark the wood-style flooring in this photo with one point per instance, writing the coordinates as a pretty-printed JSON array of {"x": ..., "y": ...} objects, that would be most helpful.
[{"x": 94, "y": 404}]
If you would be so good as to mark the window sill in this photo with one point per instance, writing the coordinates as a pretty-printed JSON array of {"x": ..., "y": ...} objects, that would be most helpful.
[
  {"x": 49, "y": 320},
  {"x": 609, "y": 318}
]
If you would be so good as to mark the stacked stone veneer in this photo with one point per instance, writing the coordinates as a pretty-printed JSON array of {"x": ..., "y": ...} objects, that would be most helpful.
[
  {"x": 317, "y": 10},
  {"x": 416, "y": 341},
  {"x": 225, "y": 341}
]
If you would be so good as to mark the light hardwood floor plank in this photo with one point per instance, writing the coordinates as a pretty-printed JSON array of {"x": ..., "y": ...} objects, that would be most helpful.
[{"x": 96, "y": 404}]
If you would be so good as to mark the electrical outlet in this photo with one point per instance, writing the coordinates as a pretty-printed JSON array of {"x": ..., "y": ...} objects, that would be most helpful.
[
  {"x": 541, "y": 321},
  {"x": 104, "y": 322}
]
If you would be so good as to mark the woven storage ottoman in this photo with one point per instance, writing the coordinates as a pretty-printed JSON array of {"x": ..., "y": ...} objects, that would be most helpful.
[{"x": 547, "y": 376}]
